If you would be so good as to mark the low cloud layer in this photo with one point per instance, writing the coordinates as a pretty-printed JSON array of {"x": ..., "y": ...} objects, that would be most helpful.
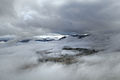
[{"x": 28, "y": 17}]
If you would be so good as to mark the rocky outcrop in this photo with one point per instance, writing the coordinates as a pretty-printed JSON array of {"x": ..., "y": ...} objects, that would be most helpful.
[
  {"x": 79, "y": 36},
  {"x": 82, "y": 51},
  {"x": 66, "y": 58},
  {"x": 61, "y": 59},
  {"x": 25, "y": 41}
]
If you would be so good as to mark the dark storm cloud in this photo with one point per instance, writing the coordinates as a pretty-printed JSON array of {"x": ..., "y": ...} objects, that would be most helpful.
[{"x": 42, "y": 16}]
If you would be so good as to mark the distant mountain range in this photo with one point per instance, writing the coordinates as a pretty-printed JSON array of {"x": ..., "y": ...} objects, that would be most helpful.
[{"x": 41, "y": 38}]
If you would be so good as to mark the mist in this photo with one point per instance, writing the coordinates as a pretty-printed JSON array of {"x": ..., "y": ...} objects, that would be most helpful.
[
  {"x": 25, "y": 19},
  {"x": 16, "y": 65}
]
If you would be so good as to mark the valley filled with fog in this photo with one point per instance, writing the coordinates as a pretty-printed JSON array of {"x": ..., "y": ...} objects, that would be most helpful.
[
  {"x": 59, "y": 40},
  {"x": 21, "y": 60}
]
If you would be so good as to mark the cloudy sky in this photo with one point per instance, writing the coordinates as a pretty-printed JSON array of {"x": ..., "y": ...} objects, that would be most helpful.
[{"x": 29, "y": 17}]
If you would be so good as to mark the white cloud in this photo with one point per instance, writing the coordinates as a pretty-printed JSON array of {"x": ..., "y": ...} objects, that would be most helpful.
[{"x": 61, "y": 16}]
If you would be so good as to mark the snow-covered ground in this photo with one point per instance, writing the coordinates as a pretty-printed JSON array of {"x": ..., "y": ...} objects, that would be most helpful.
[{"x": 19, "y": 61}]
